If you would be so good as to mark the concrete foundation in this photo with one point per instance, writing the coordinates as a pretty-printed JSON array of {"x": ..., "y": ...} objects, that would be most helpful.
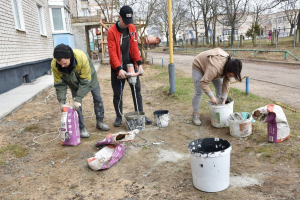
[{"x": 15, "y": 75}]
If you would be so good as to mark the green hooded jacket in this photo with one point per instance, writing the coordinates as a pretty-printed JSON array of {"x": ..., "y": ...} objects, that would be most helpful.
[{"x": 81, "y": 80}]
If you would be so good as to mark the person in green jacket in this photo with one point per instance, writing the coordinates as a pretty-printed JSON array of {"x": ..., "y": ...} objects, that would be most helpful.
[{"x": 74, "y": 68}]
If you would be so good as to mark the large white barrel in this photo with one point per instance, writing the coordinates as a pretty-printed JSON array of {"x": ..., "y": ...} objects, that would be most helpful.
[{"x": 210, "y": 161}]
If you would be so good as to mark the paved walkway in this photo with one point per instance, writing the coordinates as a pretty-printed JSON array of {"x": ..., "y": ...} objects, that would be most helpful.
[{"x": 14, "y": 99}]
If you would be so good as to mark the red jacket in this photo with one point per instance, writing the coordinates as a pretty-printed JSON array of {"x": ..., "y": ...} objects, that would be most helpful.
[{"x": 114, "y": 48}]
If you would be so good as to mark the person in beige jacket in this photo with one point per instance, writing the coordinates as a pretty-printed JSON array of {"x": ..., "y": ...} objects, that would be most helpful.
[{"x": 216, "y": 66}]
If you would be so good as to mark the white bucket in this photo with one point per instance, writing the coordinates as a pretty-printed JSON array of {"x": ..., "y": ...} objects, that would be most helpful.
[
  {"x": 135, "y": 120},
  {"x": 240, "y": 128},
  {"x": 220, "y": 113},
  {"x": 161, "y": 118},
  {"x": 210, "y": 161}
]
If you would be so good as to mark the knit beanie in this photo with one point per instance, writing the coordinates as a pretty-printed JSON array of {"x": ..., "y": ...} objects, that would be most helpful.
[{"x": 63, "y": 51}]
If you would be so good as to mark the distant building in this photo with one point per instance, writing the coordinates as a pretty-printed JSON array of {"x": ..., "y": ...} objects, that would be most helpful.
[
  {"x": 223, "y": 28},
  {"x": 26, "y": 43}
]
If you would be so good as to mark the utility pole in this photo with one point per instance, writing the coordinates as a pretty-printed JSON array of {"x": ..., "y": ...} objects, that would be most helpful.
[{"x": 171, "y": 66}]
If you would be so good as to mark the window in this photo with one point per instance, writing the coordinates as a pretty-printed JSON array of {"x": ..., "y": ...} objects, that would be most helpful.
[
  {"x": 85, "y": 12},
  {"x": 279, "y": 20},
  {"x": 61, "y": 20},
  {"x": 269, "y": 22},
  {"x": 284, "y": 19},
  {"x": 18, "y": 14},
  {"x": 41, "y": 19},
  {"x": 57, "y": 19}
]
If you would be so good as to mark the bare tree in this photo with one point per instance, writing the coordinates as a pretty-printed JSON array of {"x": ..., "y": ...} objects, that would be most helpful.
[
  {"x": 179, "y": 11},
  {"x": 161, "y": 20},
  {"x": 214, "y": 14},
  {"x": 205, "y": 6},
  {"x": 257, "y": 8},
  {"x": 291, "y": 12},
  {"x": 195, "y": 15},
  {"x": 110, "y": 7},
  {"x": 235, "y": 10},
  {"x": 146, "y": 9}
]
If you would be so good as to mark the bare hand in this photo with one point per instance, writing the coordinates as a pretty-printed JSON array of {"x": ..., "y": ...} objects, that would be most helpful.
[
  {"x": 122, "y": 74},
  {"x": 223, "y": 101},
  {"x": 213, "y": 100},
  {"x": 141, "y": 70}
]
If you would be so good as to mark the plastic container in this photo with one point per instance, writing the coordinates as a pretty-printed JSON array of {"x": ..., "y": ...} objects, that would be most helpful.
[
  {"x": 240, "y": 128},
  {"x": 161, "y": 118},
  {"x": 220, "y": 113},
  {"x": 210, "y": 161},
  {"x": 135, "y": 120}
]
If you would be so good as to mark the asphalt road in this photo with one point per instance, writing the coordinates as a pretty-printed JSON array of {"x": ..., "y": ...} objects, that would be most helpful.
[{"x": 277, "y": 82}]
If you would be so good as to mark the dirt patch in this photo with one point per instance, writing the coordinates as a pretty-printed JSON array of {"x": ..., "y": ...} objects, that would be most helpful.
[{"x": 159, "y": 170}]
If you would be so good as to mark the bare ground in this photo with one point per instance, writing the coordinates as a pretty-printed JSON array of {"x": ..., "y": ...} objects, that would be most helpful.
[{"x": 163, "y": 171}]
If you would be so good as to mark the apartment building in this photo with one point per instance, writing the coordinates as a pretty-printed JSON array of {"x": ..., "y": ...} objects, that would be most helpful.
[{"x": 26, "y": 43}]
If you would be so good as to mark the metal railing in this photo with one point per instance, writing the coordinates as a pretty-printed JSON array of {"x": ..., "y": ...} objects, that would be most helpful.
[{"x": 235, "y": 50}]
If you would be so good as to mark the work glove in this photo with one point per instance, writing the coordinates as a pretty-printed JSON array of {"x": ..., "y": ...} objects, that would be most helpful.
[{"x": 76, "y": 105}]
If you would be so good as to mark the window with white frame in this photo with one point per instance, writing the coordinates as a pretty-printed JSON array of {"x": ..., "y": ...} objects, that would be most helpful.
[
  {"x": 85, "y": 12},
  {"x": 18, "y": 14},
  {"x": 61, "y": 20},
  {"x": 41, "y": 19}
]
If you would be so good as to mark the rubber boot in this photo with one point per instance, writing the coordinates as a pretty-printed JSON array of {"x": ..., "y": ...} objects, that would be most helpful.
[
  {"x": 84, "y": 133},
  {"x": 100, "y": 125}
]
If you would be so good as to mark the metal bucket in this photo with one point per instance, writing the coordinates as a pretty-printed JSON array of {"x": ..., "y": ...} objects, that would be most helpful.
[{"x": 135, "y": 120}]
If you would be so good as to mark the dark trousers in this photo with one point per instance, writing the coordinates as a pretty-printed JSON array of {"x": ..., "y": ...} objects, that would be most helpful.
[
  {"x": 98, "y": 106},
  {"x": 118, "y": 86}
]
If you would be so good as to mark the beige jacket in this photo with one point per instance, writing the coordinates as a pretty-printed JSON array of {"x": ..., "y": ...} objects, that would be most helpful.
[{"x": 211, "y": 63}]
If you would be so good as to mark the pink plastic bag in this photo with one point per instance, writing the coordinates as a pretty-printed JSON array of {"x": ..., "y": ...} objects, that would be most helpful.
[{"x": 69, "y": 127}]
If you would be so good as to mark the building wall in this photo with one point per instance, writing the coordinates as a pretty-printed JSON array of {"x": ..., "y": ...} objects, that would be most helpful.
[
  {"x": 20, "y": 48},
  {"x": 80, "y": 37}
]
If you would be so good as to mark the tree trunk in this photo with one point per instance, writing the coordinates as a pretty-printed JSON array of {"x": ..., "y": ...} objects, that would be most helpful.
[
  {"x": 167, "y": 36},
  {"x": 196, "y": 33},
  {"x": 232, "y": 33},
  {"x": 298, "y": 24},
  {"x": 206, "y": 30},
  {"x": 291, "y": 30},
  {"x": 174, "y": 37}
]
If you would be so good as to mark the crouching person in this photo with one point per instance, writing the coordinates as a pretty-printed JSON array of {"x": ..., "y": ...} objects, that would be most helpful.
[{"x": 75, "y": 69}]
